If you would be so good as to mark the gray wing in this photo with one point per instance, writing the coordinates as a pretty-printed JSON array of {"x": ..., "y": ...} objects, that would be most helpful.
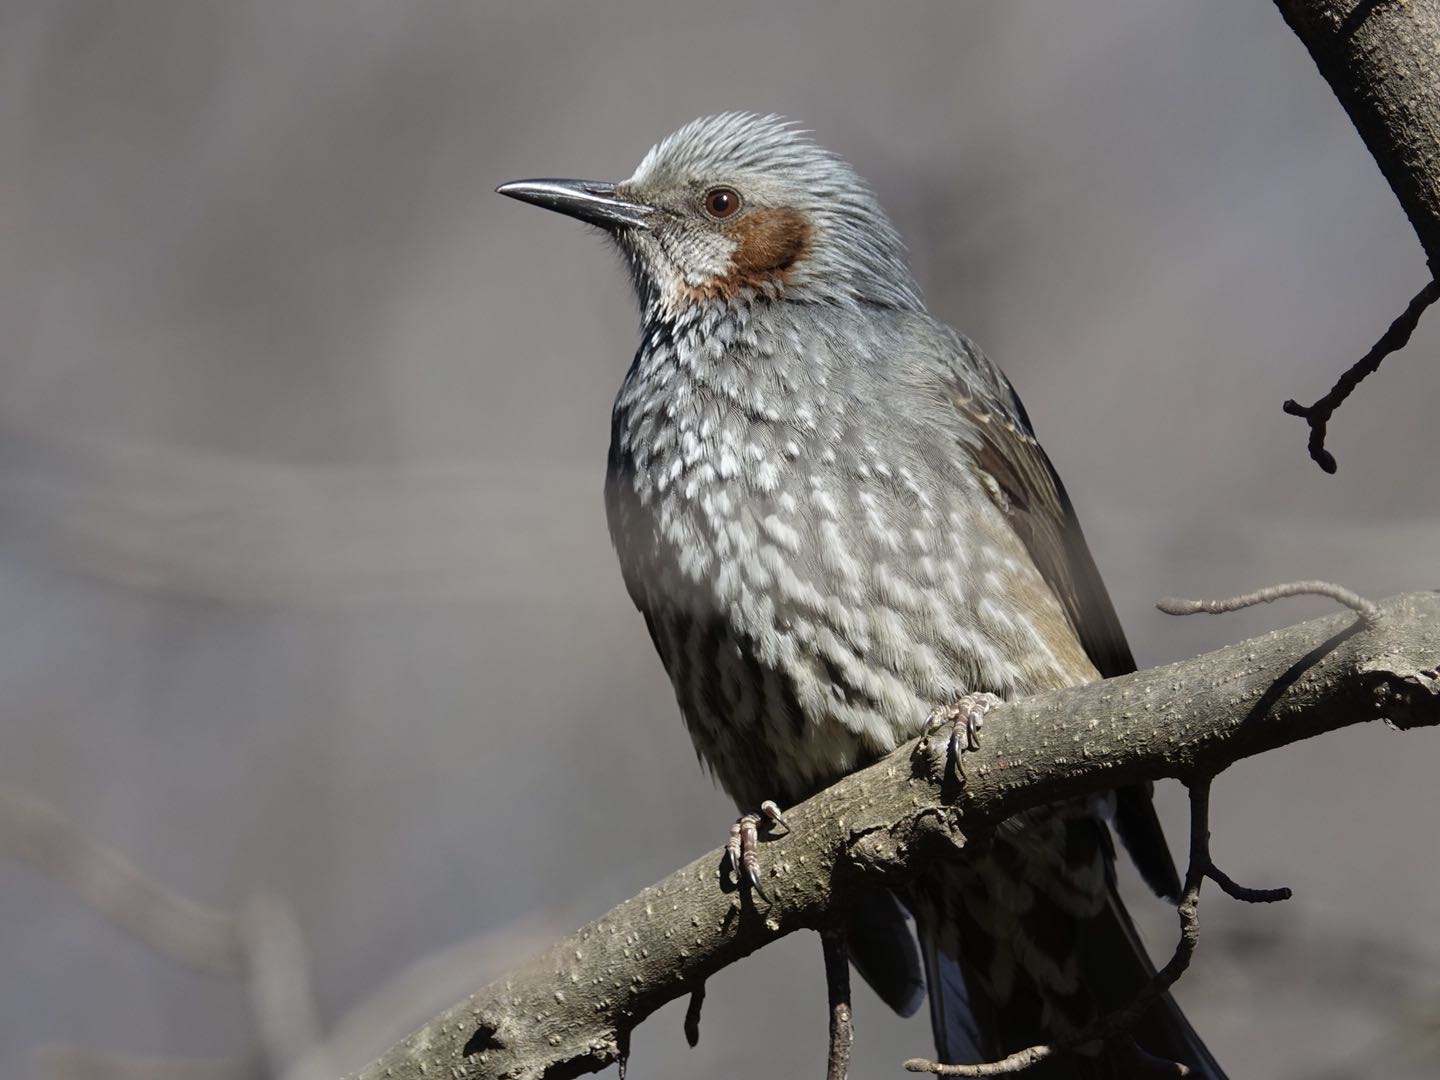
[{"x": 1026, "y": 488}]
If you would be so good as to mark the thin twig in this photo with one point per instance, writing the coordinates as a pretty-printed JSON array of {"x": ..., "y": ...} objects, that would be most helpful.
[
  {"x": 692, "y": 1015},
  {"x": 1244, "y": 894},
  {"x": 61, "y": 1062},
  {"x": 1144, "y": 1063},
  {"x": 200, "y": 937},
  {"x": 1318, "y": 415},
  {"x": 282, "y": 1003},
  {"x": 263, "y": 944},
  {"x": 1366, "y": 609},
  {"x": 1006, "y": 1066},
  {"x": 837, "y": 987}
]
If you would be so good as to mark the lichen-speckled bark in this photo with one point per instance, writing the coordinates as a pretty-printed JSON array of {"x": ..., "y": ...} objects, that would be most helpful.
[
  {"x": 570, "y": 1010},
  {"x": 1382, "y": 59}
]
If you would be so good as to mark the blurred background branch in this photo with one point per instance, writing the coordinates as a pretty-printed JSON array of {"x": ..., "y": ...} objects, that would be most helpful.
[
  {"x": 262, "y": 945},
  {"x": 178, "y": 928}
]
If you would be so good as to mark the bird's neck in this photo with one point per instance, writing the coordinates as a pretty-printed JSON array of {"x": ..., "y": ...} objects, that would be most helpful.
[
  {"x": 709, "y": 385},
  {"x": 728, "y": 352}
]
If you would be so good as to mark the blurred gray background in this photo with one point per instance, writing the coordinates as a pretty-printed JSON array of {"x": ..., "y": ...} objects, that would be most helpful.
[{"x": 305, "y": 581}]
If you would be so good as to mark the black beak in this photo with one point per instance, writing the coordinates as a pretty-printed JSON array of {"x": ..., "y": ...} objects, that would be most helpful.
[{"x": 589, "y": 200}]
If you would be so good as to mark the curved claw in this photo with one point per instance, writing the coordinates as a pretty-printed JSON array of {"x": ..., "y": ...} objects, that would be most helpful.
[
  {"x": 742, "y": 845},
  {"x": 773, "y": 815},
  {"x": 966, "y": 715}
]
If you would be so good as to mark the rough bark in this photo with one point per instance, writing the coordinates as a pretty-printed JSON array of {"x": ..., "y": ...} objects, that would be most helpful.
[
  {"x": 570, "y": 1011},
  {"x": 1380, "y": 57}
]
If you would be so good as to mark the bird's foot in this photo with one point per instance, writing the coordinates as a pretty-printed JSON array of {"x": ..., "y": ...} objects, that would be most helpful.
[
  {"x": 966, "y": 716},
  {"x": 741, "y": 849}
]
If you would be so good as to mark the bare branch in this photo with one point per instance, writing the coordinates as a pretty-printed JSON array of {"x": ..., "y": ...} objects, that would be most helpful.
[
  {"x": 837, "y": 989},
  {"x": 197, "y": 936},
  {"x": 1379, "y": 58},
  {"x": 387, "y": 1012},
  {"x": 566, "y": 1012},
  {"x": 58, "y": 1062},
  {"x": 1366, "y": 609},
  {"x": 1318, "y": 415},
  {"x": 264, "y": 946},
  {"x": 1147, "y": 1064},
  {"x": 692, "y": 1016},
  {"x": 1017, "y": 1062},
  {"x": 1243, "y": 894},
  {"x": 281, "y": 999}
]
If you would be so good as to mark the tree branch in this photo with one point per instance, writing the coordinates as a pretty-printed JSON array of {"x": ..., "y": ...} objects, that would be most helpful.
[
  {"x": 198, "y": 936},
  {"x": 837, "y": 988},
  {"x": 570, "y": 1010},
  {"x": 1381, "y": 59},
  {"x": 1318, "y": 414},
  {"x": 1366, "y": 609}
]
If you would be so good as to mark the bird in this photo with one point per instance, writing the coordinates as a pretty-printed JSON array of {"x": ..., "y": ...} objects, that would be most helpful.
[{"x": 833, "y": 513}]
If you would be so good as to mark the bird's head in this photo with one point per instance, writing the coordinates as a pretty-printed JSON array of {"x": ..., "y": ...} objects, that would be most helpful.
[{"x": 737, "y": 207}]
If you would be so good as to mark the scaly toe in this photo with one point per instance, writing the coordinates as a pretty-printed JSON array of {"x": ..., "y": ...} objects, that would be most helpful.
[
  {"x": 966, "y": 715},
  {"x": 742, "y": 847}
]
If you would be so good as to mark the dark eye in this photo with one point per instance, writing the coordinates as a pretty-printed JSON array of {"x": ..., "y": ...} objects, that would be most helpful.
[{"x": 722, "y": 202}]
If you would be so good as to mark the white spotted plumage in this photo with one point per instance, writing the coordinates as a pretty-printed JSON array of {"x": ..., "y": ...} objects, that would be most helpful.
[{"x": 719, "y": 550}]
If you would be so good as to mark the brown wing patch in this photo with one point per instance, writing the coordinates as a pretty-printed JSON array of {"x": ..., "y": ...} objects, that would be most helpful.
[
  {"x": 769, "y": 243},
  {"x": 1009, "y": 486},
  {"x": 1067, "y": 663},
  {"x": 1023, "y": 486}
]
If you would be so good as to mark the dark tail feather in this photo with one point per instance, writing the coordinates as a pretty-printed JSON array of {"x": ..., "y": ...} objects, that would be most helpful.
[
  {"x": 952, "y": 1012},
  {"x": 1140, "y": 832},
  {"x": 1116, "y": 963},
  {"x": 883, "y": 950},
  {"x": 1027, "y": 942}
]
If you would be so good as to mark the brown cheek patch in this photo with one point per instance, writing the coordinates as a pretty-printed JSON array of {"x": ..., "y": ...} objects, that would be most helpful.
[{"x": 768, "y": 246}]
